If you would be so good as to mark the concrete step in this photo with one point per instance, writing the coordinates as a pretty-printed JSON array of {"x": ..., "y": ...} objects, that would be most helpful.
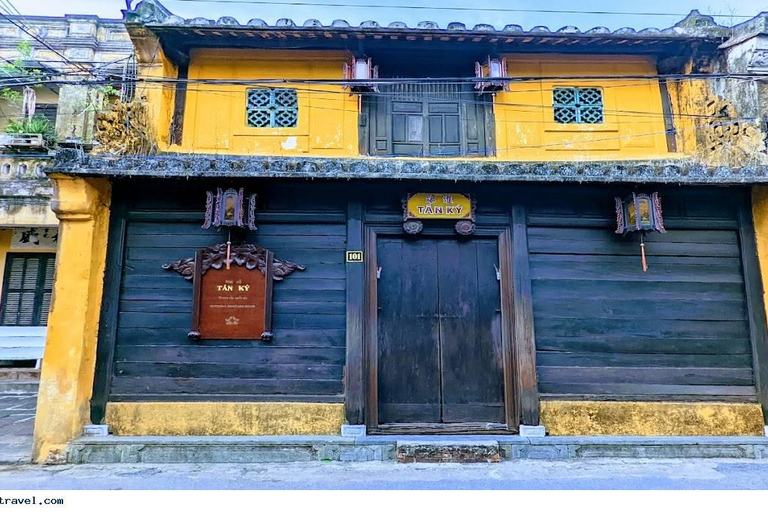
[
  {"x": 161, "y": 450},
  {"x": 18, "y": 386}
]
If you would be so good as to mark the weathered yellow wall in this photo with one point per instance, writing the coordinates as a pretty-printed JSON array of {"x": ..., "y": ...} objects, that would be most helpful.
[
  {"x": 634, "y": 121},
  {"x": 577, "y": 418},
  {"x": 215, "y": 117},
  {"x": 66, "y": 380},
  {"x": 158, "y": 97},
  {"x": 5, "y": 248},
  {"x": 223, "y": 418}
]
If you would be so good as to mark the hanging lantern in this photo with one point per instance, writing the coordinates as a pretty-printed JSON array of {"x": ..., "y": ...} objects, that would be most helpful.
[
  {"x": 226, "y": 209},
  {"x": 496, "y": 71},
  {"x": 639, "y": 212},
  {"x": 360, "y": 70}
]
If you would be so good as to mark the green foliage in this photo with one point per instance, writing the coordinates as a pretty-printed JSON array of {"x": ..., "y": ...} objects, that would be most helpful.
[
  {"x": 38, "y": 124},
  {"x": 109, "y": 90},
  {"x": 17, "y": 69}
]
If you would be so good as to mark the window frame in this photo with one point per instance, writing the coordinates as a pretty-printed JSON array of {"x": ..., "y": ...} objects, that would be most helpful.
[
  {"x": 273, "y": 107},
  {"x": 40, "y": 289},
  {"x": 577, "y": 107}
]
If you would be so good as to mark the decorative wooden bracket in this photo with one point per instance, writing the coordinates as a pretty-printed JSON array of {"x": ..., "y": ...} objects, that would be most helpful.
[{"x": 248, "y": 255}]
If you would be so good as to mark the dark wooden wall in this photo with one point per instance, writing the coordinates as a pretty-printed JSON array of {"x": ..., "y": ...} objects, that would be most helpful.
[
  {"x": 603, "y": 329},
  {"x": 607, "y": 330},
  {"x": 153, "y": 360}
]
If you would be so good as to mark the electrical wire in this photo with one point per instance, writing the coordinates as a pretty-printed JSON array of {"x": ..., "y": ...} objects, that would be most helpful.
[
  {"x": 456, "y": 9},
  {"x": 34, "y": 36},
  {"x": 521, "y": 107}
]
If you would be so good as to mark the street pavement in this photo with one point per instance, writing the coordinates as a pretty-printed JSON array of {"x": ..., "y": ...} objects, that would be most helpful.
[
  {"x": 523, "y": 474},
  {"x": 17, "y": 411},
  {"x": 17, "y": 422}
]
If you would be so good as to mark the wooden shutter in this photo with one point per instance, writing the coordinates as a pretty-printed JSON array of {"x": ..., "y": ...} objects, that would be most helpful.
[
  {"x": 27, "y": 289},
  {"x": 428, "y": 120}
]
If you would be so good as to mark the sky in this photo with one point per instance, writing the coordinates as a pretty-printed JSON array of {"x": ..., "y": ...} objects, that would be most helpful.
[{"x": 729, "y": 12}]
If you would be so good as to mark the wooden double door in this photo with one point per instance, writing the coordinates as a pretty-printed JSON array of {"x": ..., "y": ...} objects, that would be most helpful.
[{"x": 439, "y": 354}]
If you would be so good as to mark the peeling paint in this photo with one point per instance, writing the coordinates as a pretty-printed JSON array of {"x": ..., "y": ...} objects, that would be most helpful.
[{"x": 289, "y": 143}]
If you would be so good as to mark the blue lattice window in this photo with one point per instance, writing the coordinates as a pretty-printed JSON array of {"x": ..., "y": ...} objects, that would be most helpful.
[
  {"x": 578, "y": 105},
  {"x": 272, "y": 108}
]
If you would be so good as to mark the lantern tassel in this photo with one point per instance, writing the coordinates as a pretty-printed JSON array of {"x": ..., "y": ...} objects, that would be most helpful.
[
  {"x": 229, "y": 249},
  {"x": 642, "y": 254}
]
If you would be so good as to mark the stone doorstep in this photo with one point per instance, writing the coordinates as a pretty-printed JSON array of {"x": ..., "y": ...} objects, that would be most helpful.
[
  {"x": 448, "y": 451},
  {"x": 161, "y": 450}
]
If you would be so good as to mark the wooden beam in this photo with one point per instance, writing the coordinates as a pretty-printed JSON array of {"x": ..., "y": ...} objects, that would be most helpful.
[
  {"x": 355, "y": 273},
  {"x": 524, "y": 339},
  {"x": 511, "y": 403},
  {"x": 758, "y": 330},
  {"x": 371, "y": 332},
  {"x": 105, "y": 349},
  {"x": 179, "y": 105},
  {"x": 669, "y": 120}
]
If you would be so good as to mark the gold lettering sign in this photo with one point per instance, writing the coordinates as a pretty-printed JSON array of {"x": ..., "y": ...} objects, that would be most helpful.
[{"x": 438, "y": 206}]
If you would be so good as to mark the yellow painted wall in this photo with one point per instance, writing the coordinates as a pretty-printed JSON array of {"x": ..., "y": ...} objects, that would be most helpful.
[
  {"x": 634, "y": 122},
  {"x": 215, "y": 118},
  {"x": 223, "y": 418},
  {"x": 585, "y": 418}
]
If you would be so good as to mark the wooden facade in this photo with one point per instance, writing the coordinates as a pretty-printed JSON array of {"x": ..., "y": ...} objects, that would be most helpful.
[{"x": 438, "y": 332}]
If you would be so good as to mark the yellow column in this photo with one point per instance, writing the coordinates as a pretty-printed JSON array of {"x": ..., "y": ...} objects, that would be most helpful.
[
  {"x": 66, "y": 381},
  {"x": 760, "y": 218}
]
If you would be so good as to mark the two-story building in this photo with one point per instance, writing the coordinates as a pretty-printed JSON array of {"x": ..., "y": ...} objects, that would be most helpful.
[
  {"x": 416, "y": 229},
  {"x": 49, "y": 56}
]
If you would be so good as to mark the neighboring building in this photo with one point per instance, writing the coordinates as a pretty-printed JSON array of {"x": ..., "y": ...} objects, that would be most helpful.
[
  {"x": 527, "y": 310},
  {"x": 74, "y": 47}
]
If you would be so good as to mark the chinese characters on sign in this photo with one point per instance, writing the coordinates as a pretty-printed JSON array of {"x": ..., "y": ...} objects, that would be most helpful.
[
  {"x": 34, "y": 238},
  {"x": 438, "y": 206}
]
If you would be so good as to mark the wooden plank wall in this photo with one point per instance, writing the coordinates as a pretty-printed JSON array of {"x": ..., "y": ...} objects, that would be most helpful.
[
  {"x": 606, "y": 330},
  {"x": 153, "y": 359},
  {"x": 603, "y": 329}
]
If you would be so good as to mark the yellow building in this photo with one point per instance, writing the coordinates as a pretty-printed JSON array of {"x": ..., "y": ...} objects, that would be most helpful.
[
  {"x": 448, "y": 230},
  {"x": 28, "y": 226}
]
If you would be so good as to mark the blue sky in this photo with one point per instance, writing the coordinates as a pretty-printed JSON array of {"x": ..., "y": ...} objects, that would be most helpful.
[{"x": 728, "y": 11}]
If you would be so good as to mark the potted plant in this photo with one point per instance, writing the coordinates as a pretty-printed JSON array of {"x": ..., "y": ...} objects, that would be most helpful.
[{"x": 35, "y": 133}]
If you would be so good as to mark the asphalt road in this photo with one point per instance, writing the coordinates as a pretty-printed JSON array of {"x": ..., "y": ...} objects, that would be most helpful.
[{"x": 524, "y": 474}]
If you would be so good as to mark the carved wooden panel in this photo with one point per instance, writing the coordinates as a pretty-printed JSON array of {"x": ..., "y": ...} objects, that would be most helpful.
[{"x": 233, "y": 304}]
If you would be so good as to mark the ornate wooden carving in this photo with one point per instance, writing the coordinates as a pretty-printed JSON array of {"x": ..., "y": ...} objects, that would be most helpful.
[
  {"x": 465, "y": 227},
  {"x": 248, "y": 255},
  {"x": 234, "y": 302},
  {"x": 227, "y": 208}
]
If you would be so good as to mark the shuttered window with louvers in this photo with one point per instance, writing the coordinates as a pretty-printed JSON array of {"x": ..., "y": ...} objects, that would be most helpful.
[
  {"x": 433, "y": 120},
  {"x": 27, "y": 289}
]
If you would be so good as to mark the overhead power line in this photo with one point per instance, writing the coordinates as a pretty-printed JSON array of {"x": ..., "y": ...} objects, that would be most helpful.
[
  {"x": 456, "y": 9},
  {"x": 43, "y": 42}
]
